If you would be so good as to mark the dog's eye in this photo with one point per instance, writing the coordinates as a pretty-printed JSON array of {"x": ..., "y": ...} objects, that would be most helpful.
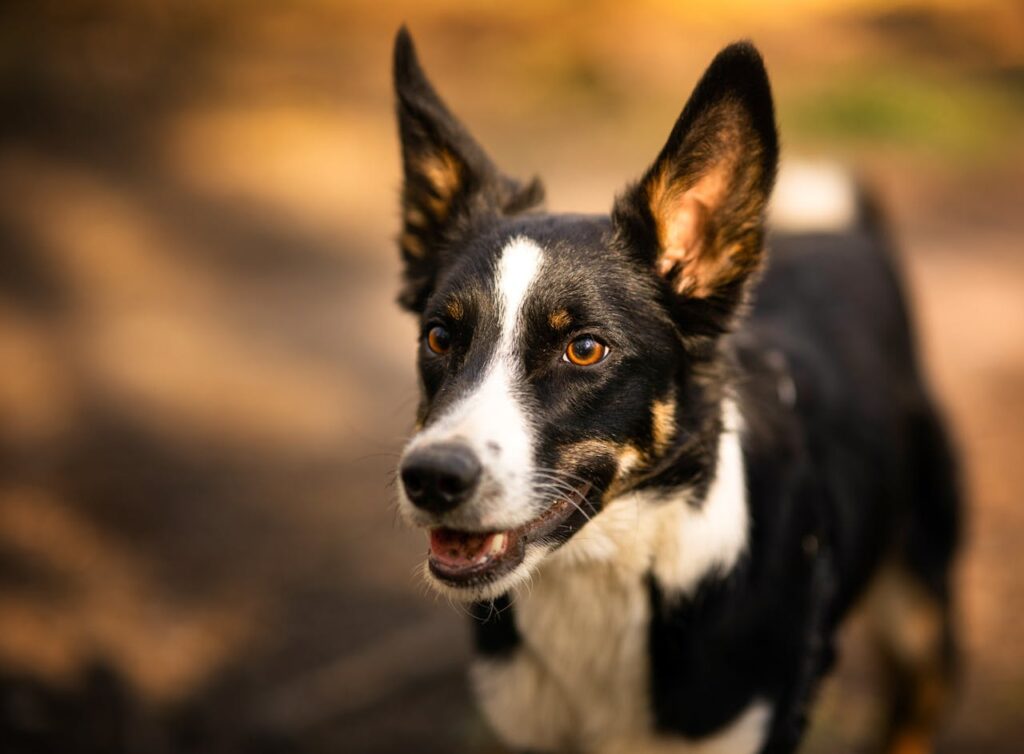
[
  {"x": 439, "y": 340},
  {"x": 585, "y": 351}
]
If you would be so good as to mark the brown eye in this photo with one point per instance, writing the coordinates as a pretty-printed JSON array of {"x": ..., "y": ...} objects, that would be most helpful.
[
  {"x": 439, "y": 340},
  {"x": 585, "y": 351}
]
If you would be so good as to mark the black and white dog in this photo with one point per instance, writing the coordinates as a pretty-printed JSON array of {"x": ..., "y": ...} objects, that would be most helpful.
[{"x": 661, "y": 470}]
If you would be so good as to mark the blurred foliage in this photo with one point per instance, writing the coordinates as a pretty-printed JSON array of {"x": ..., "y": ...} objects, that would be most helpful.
[{"x": 911, "y": 110}]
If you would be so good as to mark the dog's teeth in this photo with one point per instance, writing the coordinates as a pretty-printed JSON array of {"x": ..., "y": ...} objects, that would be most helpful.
[{"x": 497, "y": 544}]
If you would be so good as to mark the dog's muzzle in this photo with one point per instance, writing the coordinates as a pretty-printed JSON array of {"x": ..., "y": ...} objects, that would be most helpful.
[{"x": 438, "y": 478}]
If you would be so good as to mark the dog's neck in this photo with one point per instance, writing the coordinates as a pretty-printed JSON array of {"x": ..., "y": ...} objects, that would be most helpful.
[
  {"x": 678, "y": 536},
  {"x": 583, "y": 620}
]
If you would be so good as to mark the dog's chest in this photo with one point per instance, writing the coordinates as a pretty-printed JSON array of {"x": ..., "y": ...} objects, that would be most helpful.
[{"x": 580, "y": 678}]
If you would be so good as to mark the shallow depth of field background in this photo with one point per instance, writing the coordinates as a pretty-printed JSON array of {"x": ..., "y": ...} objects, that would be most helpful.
[{"x": 204, "y": 380}]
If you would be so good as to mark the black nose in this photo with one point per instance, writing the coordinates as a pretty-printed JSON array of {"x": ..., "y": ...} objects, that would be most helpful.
[{"x": 439, "y": 477}]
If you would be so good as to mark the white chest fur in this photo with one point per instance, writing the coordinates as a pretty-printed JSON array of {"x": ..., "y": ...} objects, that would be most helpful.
[{"x": 580, "y": 679}]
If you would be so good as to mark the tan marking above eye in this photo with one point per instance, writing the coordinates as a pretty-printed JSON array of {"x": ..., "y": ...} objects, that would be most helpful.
[
  {"x": 559, "y": 320},
  {"x": 455, "y": 309}
]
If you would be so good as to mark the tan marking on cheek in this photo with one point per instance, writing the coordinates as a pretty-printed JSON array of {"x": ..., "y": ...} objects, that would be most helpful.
[
  {"x": 626, "y": 456},
  {"x": 578, "y": 453},
  {"x": 663, "y": 424},
  {"x": 454, "y": 309},
  {"x": 629, "y": 458},
  {"x": 559, "y": 320},
  {"x": 412, "y": 245}
]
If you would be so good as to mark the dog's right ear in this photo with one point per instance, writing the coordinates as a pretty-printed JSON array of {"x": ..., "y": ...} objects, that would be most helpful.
[{"x": 449, "y": 181}]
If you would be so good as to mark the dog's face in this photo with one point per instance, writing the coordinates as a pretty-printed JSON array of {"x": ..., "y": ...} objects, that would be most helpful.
[{"x": 565, "y": 359}]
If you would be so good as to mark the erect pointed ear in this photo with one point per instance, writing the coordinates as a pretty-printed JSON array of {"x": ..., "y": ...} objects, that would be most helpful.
[
  {"x": 696, "y": 215},
  {"x": 448, "y": 178}
]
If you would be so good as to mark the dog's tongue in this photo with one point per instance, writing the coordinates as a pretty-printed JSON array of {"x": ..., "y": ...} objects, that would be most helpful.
[{"x": 458, "y": 549}]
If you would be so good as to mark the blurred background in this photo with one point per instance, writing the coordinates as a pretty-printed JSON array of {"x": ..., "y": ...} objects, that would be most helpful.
[{"x": 204, "y": 380}]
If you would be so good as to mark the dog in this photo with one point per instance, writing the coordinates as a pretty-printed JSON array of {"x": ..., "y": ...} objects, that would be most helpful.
[{"x": 660, "y": 470}]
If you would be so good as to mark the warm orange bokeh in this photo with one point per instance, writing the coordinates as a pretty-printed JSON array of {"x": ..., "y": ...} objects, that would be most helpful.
[{"x": 204, "y": 379}]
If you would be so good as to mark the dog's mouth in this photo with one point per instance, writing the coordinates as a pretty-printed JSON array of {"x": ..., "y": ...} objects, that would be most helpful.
[{"x": 464, "y": 558}]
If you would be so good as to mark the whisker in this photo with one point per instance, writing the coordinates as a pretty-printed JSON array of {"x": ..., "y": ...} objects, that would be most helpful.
[
  {"x": 555, "y": 487},
  {"x": 554, "y": 484},
  {"x": 555, "y": 479},
  {"x": 569, "y": 496},
  {"x": 545, "y": 473},
  {"x": 559, "y": 486},
  {"x": 560, "y": 473}
]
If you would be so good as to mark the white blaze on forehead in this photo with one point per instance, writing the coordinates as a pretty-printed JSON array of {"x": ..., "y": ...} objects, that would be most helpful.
[
  {"x": 491, "y": 418},
  {"x": 517, "y": 269}
]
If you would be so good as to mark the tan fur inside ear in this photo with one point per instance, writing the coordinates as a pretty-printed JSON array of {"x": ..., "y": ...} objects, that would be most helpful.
[
  {"x": 415, "y": 219},
  {"x": 431, "y": 204},
  {"x": 698, "y": 217},
  {"x": 412, "y": 245},
  {"x": 444, "y": 174}
]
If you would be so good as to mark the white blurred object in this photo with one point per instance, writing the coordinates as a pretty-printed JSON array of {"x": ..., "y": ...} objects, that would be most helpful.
[{"x": 813, "y": 196}]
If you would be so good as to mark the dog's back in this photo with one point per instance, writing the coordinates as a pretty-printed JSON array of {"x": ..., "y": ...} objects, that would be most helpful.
[
  {"x": 834, "y": 385},
  {"x": 831, "y": 311}
]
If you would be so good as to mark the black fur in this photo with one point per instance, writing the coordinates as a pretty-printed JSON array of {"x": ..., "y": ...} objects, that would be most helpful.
[
  {"x": 847, "y": 462},
  {"x": 429, "y": 131}
]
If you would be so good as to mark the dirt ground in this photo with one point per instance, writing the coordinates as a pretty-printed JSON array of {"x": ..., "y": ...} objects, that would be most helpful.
[{"x": 204, "y": 381}]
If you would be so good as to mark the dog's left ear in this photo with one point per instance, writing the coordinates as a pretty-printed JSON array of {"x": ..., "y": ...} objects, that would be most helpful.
[
  {"x": 448, "y": 178},
  {"x": 697, "y": 214}
]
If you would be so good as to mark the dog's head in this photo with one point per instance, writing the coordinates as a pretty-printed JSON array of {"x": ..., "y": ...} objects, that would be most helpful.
[{"x": 566, "y": 359}]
